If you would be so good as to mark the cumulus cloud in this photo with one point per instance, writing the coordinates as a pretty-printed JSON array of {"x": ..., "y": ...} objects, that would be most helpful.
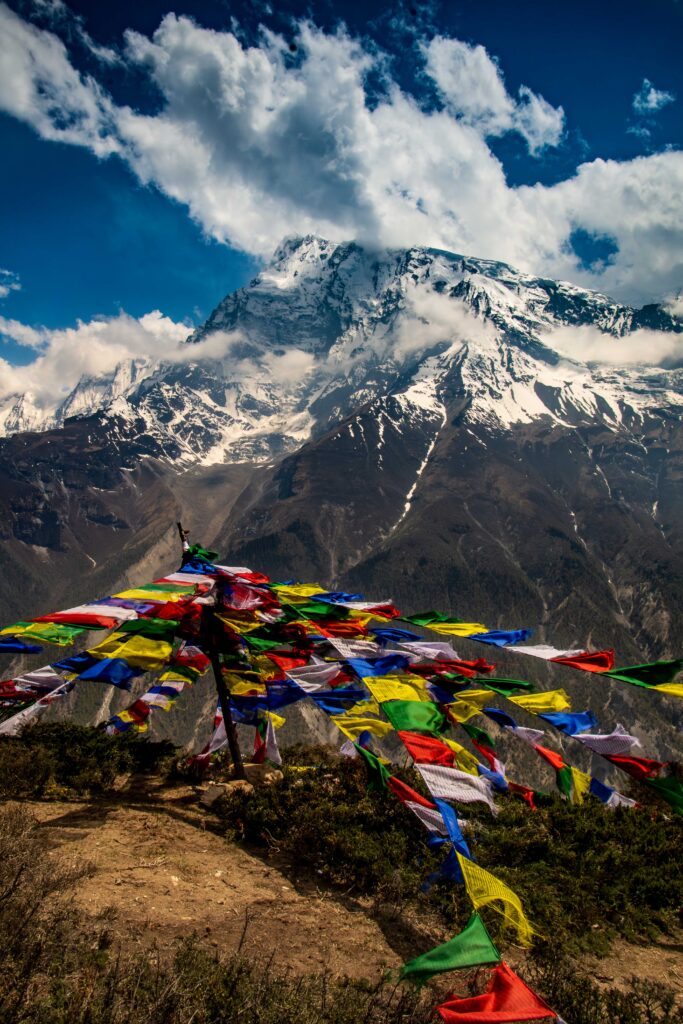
[
  {"x": 472, "y": 87},
  {"x": 587, "y": 344},
  {"x": 88, "y": 350},
  {"x": 259, "y": 146},
  {"x": 9, "y": 282},
  {"x": 649, "y": 100}
]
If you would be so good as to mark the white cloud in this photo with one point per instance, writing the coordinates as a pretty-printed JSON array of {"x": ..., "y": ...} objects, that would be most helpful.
[
  {"x": 259, "y": 147},
  {"x": 588, "y": 344},
  {"x": 9, "y": 282},
  {"x": 88, "y": 350},
  {"x": 649, "y": 100},
  {"x": 472, "y": 87},
  {"x": 431, "y": 318}
]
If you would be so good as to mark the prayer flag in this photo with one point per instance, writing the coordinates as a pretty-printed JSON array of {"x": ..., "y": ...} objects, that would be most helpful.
[
  {"x": 483, "y": 889},
  {"x": 471, "y": 948},
  {"x": 378, "y": 773},
  {"x": 502, "y": 637},
  {"x": 427, "y": 750},
  {"x": 507, "y": 999},
  {"x": 589, "y": 661},
  {"x": 451, "y": 784},
  {"x": 414, "y": 716},
  {"x": 653, "y": 674},
  {"x": 536, "y": 703}
]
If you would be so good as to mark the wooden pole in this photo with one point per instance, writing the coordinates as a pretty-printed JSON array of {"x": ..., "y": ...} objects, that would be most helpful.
[{"x": 211, "y": 632}]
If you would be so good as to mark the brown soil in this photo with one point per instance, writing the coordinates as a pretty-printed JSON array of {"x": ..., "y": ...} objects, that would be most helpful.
[{"x": 161, "y": 872}]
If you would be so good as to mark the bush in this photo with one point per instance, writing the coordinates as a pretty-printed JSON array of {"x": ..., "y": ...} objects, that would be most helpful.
[
  {"x": 325, "y": 823},
  {"x": 74, "y": 757},
  {"x": 581, "y": 1001},
  {"x": 584, "y": 874},
  {"x": 587, "y": 873}
]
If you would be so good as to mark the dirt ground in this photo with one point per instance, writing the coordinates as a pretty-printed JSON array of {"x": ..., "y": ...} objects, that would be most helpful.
[{"x": 162, "y": 872}]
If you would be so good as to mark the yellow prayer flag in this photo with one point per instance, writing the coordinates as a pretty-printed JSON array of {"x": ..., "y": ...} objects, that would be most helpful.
[
  {"x": 580, "y": 785},
  {"x": 277, "y": 720},
  {"x": 353, "y": 725},
  {"x": 673, "y": 689},
  {"x": 464, "y": 760},
  {"x": 458, "y": 628},
  {"x": 239, "y": 625},
  {"x": 484, "y": 888},
  {"x": 362, "y": 618},
  {"x": 364, "y": 707},
  {"x": 244, "y": 687},
  {"x": 138, "y": 651},
  {"x": 542, "y": 703},
  {"x": 142, "y": 594},
  {"x": 395, "y": 688},
  {"x": 478, "y": 697},
  {"x": 462, "y": 711},
  {"x": 306, "y": 590}
]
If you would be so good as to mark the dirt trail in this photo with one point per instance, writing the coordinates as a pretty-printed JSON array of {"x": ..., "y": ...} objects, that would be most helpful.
[{"x": 161, "y": 873}]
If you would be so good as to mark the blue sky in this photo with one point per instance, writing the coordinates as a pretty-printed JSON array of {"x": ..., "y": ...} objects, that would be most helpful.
[{"x": 147, "y": 171}]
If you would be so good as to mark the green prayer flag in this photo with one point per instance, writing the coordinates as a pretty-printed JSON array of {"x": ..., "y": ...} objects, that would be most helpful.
[
  {"x": 167, "y": 588},
  {"x": 480, "y": 735},
  {"x": 378, "y": 773},
  {"x": 671, "y": 790},
  {"x": 565, "y": 782},
  {"x": 657, "y": 673},
  {"x": 472, "y": 947},
  {"x": 426, "y": 618},
  {"x": 156, "y": 629},
  {"x": 197, "y": 551},
  {"x": 414, "y": 716},
  {"x": 506, "y": 687},
  {"x": 321, "y": 610},
  {"x": 257, "y": 643}
]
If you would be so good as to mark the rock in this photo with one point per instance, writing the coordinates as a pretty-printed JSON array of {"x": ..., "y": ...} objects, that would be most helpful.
[
  {"x": 262, "y": 774},
  {"x": 211, "y": 794}
]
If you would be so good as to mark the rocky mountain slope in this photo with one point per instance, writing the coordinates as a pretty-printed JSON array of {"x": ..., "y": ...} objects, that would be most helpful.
[{"x": 407, "y": 423}]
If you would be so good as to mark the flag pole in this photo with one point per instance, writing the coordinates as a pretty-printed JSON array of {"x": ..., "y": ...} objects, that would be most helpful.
[{"x": 211, "y": 632}]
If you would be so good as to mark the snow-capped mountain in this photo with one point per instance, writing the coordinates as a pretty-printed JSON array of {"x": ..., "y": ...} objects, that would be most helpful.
[
  {"x": 327, "y": 327},
  {"x": 415, "y": 424}
]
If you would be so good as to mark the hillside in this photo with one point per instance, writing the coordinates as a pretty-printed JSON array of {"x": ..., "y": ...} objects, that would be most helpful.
[{"x": 234, "y": 910}]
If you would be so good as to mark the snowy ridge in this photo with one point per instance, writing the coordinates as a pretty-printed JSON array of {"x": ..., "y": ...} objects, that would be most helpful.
[{"x": 327, "y": 328}]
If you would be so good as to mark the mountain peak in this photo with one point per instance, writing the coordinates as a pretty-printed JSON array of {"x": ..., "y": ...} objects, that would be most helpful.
[{"x": 327, "y": 326}]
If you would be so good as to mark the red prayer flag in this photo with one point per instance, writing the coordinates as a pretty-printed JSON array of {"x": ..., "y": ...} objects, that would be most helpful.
[
  {"x": 349, "y": 630},
  {"x": 404, "y": 793},
  {"x": 507, "y": 998},
  {"x": 388, "y": 611},
  {"x": 285, "y": 662},
  {"x": 427, "y": 750},
  {"x": 589, "y": 661},
  {"x": 551, "y": 756},
  {"x": 525, "y": 792},
  {"x": 639, "y": 767},
  {"x": 487, "y": 753},
  {"x": 80, "y": 619},
  {"x": 464, "y": 668}
]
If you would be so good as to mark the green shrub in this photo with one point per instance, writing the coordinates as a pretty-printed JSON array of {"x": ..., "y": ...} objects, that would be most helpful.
[
  {"x": 584, "y": 874},
  {"x": 75, "y": 757},
  {"x": 580, "y": 1001},
  {"x": 325, "y": 823}
]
